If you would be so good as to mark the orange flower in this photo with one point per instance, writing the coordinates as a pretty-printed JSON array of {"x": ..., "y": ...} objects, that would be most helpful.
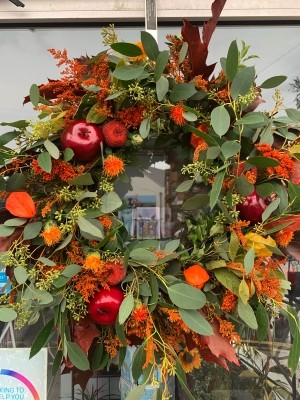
[
  {"x": 229, "y": 301},
  {"x": 287, "y": 165},
  {"x": 106, "y": 222},
  {"x": 196, "y": 276},
  {"x": 284, "y": 237},
  {"x": 93, "y": 262},
  {"x": 113, "y": 166},
  {"x": 51, "y": 234},
  {"x": 20, "y": 204},
  {"x": 176, "y": 114},
  {"x": 140, "y": 313},
  {"x": 190, "y": 359},
  {"x": 142, "y": 57}
]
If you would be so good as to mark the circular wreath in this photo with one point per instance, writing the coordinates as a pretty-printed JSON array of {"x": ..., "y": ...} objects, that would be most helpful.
[{"x": 65, "y": 248}]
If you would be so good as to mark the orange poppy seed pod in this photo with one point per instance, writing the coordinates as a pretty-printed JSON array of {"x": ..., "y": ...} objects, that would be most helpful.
[
  {"x": 20, "y": 204},
  {"x": 196, "y": 276}
]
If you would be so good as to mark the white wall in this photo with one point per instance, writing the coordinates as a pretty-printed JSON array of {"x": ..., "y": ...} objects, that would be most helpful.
[{"x": 100, "y": 10}]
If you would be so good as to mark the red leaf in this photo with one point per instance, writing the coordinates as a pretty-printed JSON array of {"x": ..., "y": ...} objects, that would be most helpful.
[
  {"x": 6, "y": 242},
  {"x": 198, "y": 50},
  {"x": 295, "y": 176},
  {"x": 85, "y": 332},
  {"x": 20, "y": 204},
  {"x": 294, "y": 225},
  {"x": 220, "y": 348}
]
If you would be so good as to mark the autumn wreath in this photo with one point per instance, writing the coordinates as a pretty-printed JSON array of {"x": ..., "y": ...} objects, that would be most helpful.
[{"x": 67, "y": 252}]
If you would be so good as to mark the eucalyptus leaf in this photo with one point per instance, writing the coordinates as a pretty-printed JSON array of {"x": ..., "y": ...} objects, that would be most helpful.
[
  {"x": 232, "y": 61},
  {"x": 52, "y": 149},
  {"x": 161, "y": 63},
  {"x": 86, "y": 226},
  {"x": 150, "y": 45},
  {"x": 143, "y": 256},
  {"x": 77, "y": 356},
  {"x": 216, "y": 189},
  {"x": 42, "y": 339},
  {"x": 199, "y": 200},
  {"x": 220, "y": 120},
  {"x": 162, "y": 87},
  {"x": 34, "y": 95},
  {"x": 20, "y": 274},
  {"x": 144, "y": 128},
  {"x": 230, "y": 148},
  {"x": 246, "y": 314},
  {"x": 249, "y": 260},
  {"x": 195, "y": 321},
  {"x": 32, "y": 230},
  {"x": 15, "y": 182},
  {"x": 44, "y": 161},
  {"x": 184, "y": 186},
  {"x": 273, "y": 82},
  {"x": 270, "y": 209},
  {"x": 127, "y": 49},
  {"x": 182, "y": 91},
  {"x": 128, "y": 72},
  {"x": 82, "y": 180},
  {"x": 110, "y": 202},
  {"x": 242, "y": 82},
  {"x": 15, "y": 222},
  {"x": 186, "y": 296},
  {"x": 126, "y": 308},
  {"x": 263, "y": 162},
  {"x": 7, "y": 314},
  {"x": 262, "y": 322}
]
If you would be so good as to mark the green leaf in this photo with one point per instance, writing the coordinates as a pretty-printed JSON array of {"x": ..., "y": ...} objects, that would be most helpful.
[
  {"x": 7, "y": 137},
  {"x": 121, "y": 333},
  {"x": 196, "y": 202},
  {"x": 154, "y": 292},
  {"x": 94, "y": 117},
  {"x": 56, "y": 362},
  {"x": 263, "y": 162},
  {"x": 44, "y": 161},
  {"x": 234, "y": 245},
  {"x": 243, "y": 186},
  {"x": 220, "y": 120},
  {"x": 34, "y": 95},
  {"x": 184, "y": 186},
  {"x": 242, "y": 82},
  {"x": 144, "y": 128},
  {"x": 42, "y": 338},
  {"x": 82, "y": 180},
  {"x": 230, "y": 148},
  {"x": 138, "y": 361},
  {"x": 293, "y": 114},
  {"x": 246, "y": 313},
  {"x": 232, "y": 61},
  {"x": 52, "y": 149},
  {"x": 128, "y": 72},
  {"x": 251, "y": 119},
  {"x": 228, "y": 279},
  {"x": 182, "y": 91},
  {"x": 186, "y": 296},
  {"x": 97, "y": 356},
  {"x": 243, "y": 291},
  {"x": 262, "y": 322},
  {"x": 143, "y": 256},
  {"x": 216, "y": 189},
  {"x": 264, "y": 189},
  {"x": 195, "y": 321},
  {"x": 21, "y": 275},
  {"x": 271, "y": 207},
  {"x": 7, "y": 314},
  {"x": 273, "y": 82},
  {"x": 203, "y": 135},
  {"x": 6, "y": 231},
  {"x": 162, "y": 87},
  {"x": 47, "y": 261},
  {"x": 86, "y": 226},
  {"x": 127, "y": 49},
  {"x": 125, "y": 308},
  {"x": 77, "y": 356},
  {"x": 171, "y": 246},
  {"x": 71, "y": 270},
  {"x": 294, "y": 354},
  {"x": 15, "y": 221},
  {"x": 137, "y": 392},
  {"x": 161, "y": 62},
  {"x": 68, "y": 154},
  {"x": 150, "y": 45},
  {"x": 249, "y": 260},
  {"x": 15, "y": 182},
  {"x": 183, "y": 52},
  {"x": 110, "y": 202},
  {"x": 32, "y": 230}
]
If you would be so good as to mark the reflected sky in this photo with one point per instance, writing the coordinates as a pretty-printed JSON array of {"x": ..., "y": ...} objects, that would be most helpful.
[{"x": 25, "y": 59}]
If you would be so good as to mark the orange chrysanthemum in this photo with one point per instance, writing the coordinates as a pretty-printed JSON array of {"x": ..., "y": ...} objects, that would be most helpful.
[
  {"x": 176, "y": 114},
  {"x": 113, "y": 166},
  {"x": 190, "y": 359},
  {"x": 51, "y": 235},
  {"x": 284, "y": 237},
  {"x": 93, "y": 262}
]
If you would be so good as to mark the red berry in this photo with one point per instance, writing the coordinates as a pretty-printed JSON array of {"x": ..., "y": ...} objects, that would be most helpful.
[
  {"x": 115, "y": 133},
  {"x": 117, "y": 272}
]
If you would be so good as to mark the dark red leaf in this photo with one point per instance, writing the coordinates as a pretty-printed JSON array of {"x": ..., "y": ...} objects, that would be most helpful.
[
  {"x": 198, "y": 49},
  {"x": 85, "y": 332}
]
